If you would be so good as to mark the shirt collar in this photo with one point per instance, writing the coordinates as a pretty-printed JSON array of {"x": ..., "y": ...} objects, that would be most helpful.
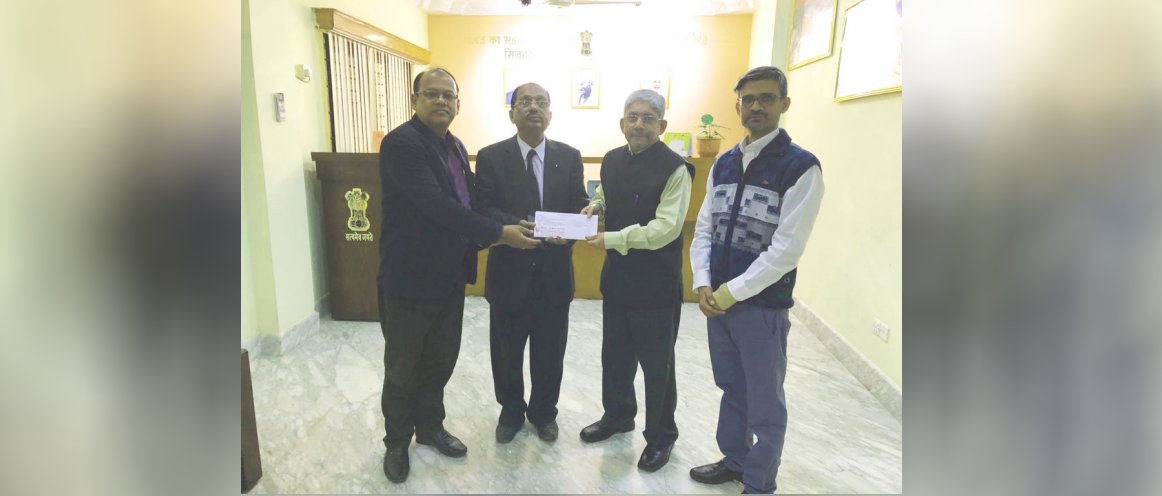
[
  {"x": 648, "y": 148},
  {"x": 448, "y": 138},
  {"x": 524, "y": 148},
  {"x": 760, "y": 143}
]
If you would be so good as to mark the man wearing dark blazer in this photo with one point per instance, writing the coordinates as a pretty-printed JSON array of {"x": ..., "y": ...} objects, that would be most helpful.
[
  {"x": 427, "y": 254},
  {"x": 529, "y": 291}
]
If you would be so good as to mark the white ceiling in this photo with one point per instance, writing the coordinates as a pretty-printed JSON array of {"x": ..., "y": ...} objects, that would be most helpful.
[{"x": 539, "y": 7}]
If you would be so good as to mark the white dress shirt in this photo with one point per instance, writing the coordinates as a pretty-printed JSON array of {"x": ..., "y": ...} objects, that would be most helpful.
[
  {"x": 538, "y": 163},
  {"x": 799, "y": 207}
]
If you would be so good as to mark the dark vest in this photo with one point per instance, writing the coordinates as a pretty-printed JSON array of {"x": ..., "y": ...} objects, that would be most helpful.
[
  {"x": 633, "y": 186},
  {"x": 745, "y": 209}
]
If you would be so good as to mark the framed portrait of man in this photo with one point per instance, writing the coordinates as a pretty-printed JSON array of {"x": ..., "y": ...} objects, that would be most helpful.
[{"x": 659, "y": 81}]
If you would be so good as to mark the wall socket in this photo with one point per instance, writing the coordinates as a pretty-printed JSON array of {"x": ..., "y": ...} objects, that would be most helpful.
[{"x": 880, "y": 329}]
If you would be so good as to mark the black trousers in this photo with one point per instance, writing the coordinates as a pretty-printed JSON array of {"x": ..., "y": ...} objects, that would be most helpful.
[
  {"x": 422, "y": 344},
  {"x": 646, "y": 336},
  {"x": 546, "y": 328}
]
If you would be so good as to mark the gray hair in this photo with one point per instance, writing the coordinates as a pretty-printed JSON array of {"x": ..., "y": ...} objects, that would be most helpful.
[{"x": 656, "y": 101}]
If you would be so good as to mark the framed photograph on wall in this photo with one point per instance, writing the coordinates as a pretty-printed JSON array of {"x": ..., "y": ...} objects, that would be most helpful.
[
  {"x": 585, "y": 92},
  {"x": 659, "y": 81},
  {"x": 812, "y": 31},
  {"x": 871, "y": 55}
]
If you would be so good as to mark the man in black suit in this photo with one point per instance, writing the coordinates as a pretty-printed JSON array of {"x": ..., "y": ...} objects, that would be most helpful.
[
  {"x": 427, "y": 254},
  {"x": 529, "y": 291}
]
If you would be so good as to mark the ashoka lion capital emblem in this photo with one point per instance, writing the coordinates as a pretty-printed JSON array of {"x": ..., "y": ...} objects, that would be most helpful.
[{"x": 357, "y": 203}]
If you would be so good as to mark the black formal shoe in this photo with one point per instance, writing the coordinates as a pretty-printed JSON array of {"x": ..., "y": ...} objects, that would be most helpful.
[
  {"x": 654, "y": 457},
  {"x": 601, "y": 430},
  {"x": 548, "y": 432},
  {"x": 445, "y": 443},
  {"x": 395, "y": 464},
  {"x": 506, "y": 433},
  {"x": 715, "y": 473}
]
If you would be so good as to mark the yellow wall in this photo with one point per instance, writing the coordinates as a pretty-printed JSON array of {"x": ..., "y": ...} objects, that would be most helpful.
[
  {"x": 249, "y": 320},
  {"x": 702, "y": 76},
  {"x": 258, "y": 308},
  {"x": 282, "y": 196},
  {"x": 851, "y": 270}
]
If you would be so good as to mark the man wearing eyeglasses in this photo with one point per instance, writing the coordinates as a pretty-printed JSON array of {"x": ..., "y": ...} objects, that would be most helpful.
[
  {"x": 529, "y": 291},
  {"x": 427, "y": 254},
  {"x": 643, "y": 197},
  {"x": 762, "y": 198}
]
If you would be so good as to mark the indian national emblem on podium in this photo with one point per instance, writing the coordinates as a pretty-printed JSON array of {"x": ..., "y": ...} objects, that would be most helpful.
[{"x": 357, "y": 204}]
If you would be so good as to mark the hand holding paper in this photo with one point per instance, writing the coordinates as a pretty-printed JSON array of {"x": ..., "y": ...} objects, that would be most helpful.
[{"x": 568, "y": 226}]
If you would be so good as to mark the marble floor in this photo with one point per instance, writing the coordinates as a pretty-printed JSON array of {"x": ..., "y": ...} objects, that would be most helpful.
[{"x": 320, "y": 427}]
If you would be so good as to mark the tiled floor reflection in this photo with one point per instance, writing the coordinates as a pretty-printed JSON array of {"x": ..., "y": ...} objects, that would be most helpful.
[{"x": 320, "y": 427}]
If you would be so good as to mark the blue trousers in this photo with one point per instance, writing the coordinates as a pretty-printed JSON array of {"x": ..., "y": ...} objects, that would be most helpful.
[{"x": 748, "y": 352}]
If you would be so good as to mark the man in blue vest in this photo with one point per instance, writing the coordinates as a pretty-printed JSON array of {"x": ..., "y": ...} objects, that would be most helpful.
[{"x": 762, "y": 198}]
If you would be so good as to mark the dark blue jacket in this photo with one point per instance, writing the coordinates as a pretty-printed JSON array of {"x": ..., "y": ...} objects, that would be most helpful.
[
  {"x": 745, "y": 211},
  {"x": 429, "y": 240}
]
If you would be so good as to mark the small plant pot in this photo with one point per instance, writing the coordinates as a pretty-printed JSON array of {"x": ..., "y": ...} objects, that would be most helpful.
[{"x": 708, "y": 147}]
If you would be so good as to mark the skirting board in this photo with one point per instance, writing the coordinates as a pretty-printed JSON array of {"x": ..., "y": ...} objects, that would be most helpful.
[
  {"x": 887, "y": 392},
  {"x": 272, "y": 345}
]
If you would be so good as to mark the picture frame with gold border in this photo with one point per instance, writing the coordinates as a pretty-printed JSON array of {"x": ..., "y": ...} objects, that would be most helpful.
[
  {"x": 871, "y": 53},
  {"x": 811, "y": 21}
]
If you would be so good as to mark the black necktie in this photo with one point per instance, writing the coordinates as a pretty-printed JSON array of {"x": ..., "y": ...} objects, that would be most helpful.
[{"x": 532, "y": 174}]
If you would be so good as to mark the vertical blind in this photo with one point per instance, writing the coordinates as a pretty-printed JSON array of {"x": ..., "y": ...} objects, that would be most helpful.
[{"x": 370, "y": 91}]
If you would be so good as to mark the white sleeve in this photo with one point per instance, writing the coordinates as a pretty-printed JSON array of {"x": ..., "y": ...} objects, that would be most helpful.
[{"x": 703, "y": 237}]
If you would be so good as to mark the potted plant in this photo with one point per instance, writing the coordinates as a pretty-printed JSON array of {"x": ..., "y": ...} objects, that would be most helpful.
[{"x": 709, "y": 141}]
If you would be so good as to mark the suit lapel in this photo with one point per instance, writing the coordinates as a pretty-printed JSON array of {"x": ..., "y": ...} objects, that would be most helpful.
[{"x": 513, "y": 150}]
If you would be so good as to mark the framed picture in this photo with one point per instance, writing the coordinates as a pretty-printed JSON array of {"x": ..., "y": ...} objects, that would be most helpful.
[
  {"x": 659, "y": 81},
  {"x": 585, "y": 92},
  {"x": 592, "y": 187},
  {"x": 812, "y": 31},
  {"x": 871, "y": 56},
  {"x": 679, "y": 142}
]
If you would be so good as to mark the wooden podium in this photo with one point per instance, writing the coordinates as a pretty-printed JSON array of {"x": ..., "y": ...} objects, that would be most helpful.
[{"x": 351, "y": 196}]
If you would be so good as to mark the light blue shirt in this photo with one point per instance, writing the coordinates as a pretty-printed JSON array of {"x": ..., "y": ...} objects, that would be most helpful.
[{"x": 538, "y": 163}]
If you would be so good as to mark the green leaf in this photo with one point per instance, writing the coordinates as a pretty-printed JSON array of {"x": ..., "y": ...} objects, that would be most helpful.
[{"x": 707, "y": 119}]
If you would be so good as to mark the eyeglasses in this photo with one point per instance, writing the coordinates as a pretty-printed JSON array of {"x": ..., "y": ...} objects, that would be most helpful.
[
  {"x": 647, "y": 119},
  {"x": 765, "y": 99},
  {"x": 433, "y": 95},
  {"x": 544, "y": 104}
]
